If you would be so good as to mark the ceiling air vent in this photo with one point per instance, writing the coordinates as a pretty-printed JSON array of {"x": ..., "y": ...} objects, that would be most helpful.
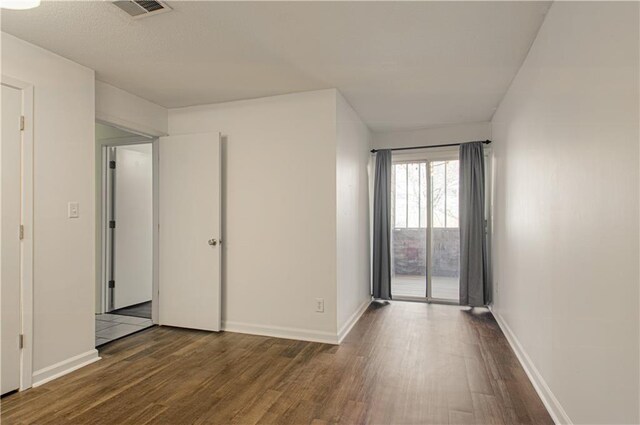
[{"x": 141, "y": 9}]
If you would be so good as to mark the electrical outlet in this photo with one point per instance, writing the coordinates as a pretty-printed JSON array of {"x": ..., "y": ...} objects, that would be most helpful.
[
  {"x": 320, "y": 305},
  {"x": 73, "y": 210}
]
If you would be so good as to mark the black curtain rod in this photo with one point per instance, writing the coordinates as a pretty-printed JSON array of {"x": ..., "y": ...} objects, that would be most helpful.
[{"x": 486, "y": 142}]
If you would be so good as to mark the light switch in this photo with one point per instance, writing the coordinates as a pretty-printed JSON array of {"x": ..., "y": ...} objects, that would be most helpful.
[{"x": 74, "y": 210}]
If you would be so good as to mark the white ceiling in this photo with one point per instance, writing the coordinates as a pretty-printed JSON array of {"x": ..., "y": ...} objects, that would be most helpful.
[{"x": 401, "y": 65}]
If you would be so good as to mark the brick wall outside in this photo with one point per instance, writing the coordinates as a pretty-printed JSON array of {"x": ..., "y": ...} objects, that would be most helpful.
[{"x": 409, "y": 252}]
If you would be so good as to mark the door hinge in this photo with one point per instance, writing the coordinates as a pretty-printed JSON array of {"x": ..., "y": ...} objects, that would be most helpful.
[
  {"x": 21, "y": 231},
  {"x": 112, "y": 165},
  {"x": 22, "y": 123},
  {"x": 21, "y": 341},
  {"x": 112, "y": 284},
  {"x": 112, "y": 224}
]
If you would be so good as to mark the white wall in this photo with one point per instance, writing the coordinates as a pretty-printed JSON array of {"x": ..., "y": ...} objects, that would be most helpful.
[
  {"x": 123, "y": 109},
  {"x": 433, "y": 135},
  {"x": 353, "y": 142},
  {"x": 566, "y": 211},
  {"x": 64, "y": 117},
  {"x": 279, "y": 207}
]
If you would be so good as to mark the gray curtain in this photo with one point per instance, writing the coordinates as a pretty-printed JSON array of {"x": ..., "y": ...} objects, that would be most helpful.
[
  {"x": 382, "y": 226},
  {"x": 474, "y": 288}
]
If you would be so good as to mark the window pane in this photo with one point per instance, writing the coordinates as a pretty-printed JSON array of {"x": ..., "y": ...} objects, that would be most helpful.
[
  {"x": 452, "y": 193},
  {"x": 413, "y": 197},
  {"x": 401, "y": 195},
  {"x": 423, "y": 195},
  {"x": 445, "y": 236},
  {"x": 438, "y": 194}
]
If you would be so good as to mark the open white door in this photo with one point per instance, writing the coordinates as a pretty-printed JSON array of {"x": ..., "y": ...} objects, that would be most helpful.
[
  {"x": 133, "y": 263},
  {"x": 190, "y": 229},
  {"x": 10, "y": 163}
]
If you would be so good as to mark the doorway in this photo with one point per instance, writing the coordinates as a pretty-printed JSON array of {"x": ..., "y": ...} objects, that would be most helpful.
[
  {"x": 425, "y": 236},
  {"x": 11, "y": 221},
  {"x": 186, "y": 253},
  {"x": 126, "y": 291},
  {"x": 16, "y": 236}
]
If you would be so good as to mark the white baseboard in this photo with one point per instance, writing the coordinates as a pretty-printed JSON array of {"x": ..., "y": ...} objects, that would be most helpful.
[
  {"x": 297, "y": 333},
  {"x": 57, "y": 370},
  {"x": 346, "y": 328},
  {"x": 549, "y": 400},
  {"x": 281, "y": 332}
]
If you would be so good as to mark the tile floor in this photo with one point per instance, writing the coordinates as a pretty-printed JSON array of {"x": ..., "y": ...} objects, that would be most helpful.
[{"x": 114, "y": 326}]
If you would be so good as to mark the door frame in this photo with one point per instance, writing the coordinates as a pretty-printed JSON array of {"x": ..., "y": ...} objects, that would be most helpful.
[
  {"x": 102, "y": 224},
  {"x": 26, "y": 244},
  {"x": 440, "y": 154}
]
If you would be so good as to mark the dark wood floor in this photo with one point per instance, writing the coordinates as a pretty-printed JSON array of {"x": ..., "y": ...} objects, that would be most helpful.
[{"x": 403, "y": 363}]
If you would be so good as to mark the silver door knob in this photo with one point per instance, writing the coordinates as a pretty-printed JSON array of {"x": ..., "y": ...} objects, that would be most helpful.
[{"x": 213, "y": 242}]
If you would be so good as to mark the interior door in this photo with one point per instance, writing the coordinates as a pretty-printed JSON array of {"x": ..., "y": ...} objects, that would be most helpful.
[
  {"x": 10, "y": 164},
  {"x": 133, "y": 262},
  {"x": 190, "y": 229}
]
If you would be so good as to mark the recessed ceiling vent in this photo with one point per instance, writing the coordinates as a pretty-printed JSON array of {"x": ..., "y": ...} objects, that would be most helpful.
[{"x": 142, "y": 9}]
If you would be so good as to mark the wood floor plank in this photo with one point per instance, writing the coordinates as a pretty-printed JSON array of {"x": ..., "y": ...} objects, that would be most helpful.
[{"x": 403, "y": 363}]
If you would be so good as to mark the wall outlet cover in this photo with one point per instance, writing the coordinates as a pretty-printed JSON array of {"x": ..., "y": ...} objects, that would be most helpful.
[
  {"x": 73, "y": 210},
  {"x": 320, "y": 305}
]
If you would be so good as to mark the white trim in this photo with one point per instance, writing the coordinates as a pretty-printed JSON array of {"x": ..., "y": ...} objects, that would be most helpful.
[
  {"x": 26, "y": 219},
  {"x": 555, "y": 409},
  {"x": 125, "y": 141},
  {"x": 281, "y": 332},
  {"x": 298, "y": 333},
  {"x": 64, "y": 367},
  {"x": 101, "y": 292},
  {"x": 155, "y": 173},
  {"x": 219, "y": 228},
  {"x": 350, "y": 323},
  {"x": 130, "y": 126}
]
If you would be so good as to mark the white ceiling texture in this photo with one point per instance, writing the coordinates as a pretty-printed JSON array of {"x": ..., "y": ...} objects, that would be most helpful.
[{"x": 401, "y": 65}]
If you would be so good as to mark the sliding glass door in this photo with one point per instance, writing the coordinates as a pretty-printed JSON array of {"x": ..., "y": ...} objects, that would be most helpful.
[
  {"x": 409, "y": 230},
  {"x": 425, "y": 252},
  {"x": 444, "y": 231}
]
